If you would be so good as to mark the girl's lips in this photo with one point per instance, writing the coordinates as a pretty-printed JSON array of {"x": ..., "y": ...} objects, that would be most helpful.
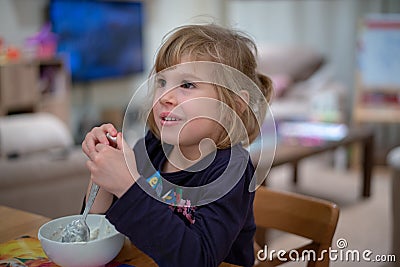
[{"x": 169, "y": 119}]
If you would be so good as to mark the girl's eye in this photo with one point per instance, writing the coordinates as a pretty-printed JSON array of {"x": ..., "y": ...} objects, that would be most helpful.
[
  {"x": 188, "y": 85},
  {"x": 161, "y": 83}
]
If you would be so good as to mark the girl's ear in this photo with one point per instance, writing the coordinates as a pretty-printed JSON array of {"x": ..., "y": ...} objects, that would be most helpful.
[{"x": 242, "y": 100}]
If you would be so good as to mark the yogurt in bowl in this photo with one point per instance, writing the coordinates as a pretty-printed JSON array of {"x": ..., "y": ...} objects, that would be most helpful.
[{"x": 104, "y": 245}]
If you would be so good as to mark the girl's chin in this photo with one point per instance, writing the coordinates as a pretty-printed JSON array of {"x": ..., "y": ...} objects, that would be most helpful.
[{"x": 169, "y": 139}]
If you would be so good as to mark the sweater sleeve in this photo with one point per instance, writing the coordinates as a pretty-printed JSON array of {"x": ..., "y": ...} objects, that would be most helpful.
[{"x": 156, "y": 230}]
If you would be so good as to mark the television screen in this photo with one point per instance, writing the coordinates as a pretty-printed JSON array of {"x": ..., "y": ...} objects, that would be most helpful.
[{"x": 101, "y": 39}]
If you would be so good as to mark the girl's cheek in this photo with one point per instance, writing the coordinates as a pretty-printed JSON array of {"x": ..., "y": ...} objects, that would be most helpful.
[
  {"x": 156, "y": 99},
  {"x": 156, "y": 107},
  {"x": 155, "y": 102},
  {"x": 156, "y": 96}
]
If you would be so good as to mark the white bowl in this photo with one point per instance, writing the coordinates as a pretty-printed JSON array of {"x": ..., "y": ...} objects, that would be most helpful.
[{"x": 94, "y": 253}]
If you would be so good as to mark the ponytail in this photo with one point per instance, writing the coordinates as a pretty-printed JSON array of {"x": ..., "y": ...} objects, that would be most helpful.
[{"x": 266, "y": 86}]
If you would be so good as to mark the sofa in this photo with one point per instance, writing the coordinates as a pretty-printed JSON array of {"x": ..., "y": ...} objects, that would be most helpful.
[{"x": 41, "y": 170}]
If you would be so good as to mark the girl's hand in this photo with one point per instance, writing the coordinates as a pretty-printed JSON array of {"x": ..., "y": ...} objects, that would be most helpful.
[
  {"x": 108, "y": 166},
  {"x": 97, "y": 136}
]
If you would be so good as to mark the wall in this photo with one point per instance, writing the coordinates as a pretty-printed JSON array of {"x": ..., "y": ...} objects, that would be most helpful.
[
  {"x": 20, "y": 18},
  {"x": 312, "y": 23}
]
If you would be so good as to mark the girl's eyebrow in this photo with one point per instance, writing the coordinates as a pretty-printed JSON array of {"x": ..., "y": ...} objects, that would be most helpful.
[
  {"x": 158, "y": 76},
  {"x": 191, "y": 77},
  {"x": 181, "y": 75}
]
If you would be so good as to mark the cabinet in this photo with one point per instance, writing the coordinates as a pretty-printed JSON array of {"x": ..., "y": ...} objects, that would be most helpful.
[
  {"x": 35, "y": 86},
  {"x": 18, "y": 87},
  {"x": 376, "y": 106},
  {"x": 377, "y": 98},
  {"x": 377, "y": 81}
]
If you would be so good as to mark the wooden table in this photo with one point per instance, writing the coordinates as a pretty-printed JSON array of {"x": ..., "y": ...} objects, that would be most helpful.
[
  {"x": 16, "y": 223},
  {"x": 293, "y": 154}
]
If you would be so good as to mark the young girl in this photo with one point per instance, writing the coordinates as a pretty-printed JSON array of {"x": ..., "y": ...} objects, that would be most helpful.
[{"x": 192, "y": 142}]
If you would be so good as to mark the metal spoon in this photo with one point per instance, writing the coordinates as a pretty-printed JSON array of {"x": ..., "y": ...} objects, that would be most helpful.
[{"x": 78, "y": 230}]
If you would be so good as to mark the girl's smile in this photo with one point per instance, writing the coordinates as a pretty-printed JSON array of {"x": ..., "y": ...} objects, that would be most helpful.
[{"x": 169, "y": 119}]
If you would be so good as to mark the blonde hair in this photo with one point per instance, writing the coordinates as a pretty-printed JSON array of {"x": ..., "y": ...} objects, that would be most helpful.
[{"x": 221, "y": 45}]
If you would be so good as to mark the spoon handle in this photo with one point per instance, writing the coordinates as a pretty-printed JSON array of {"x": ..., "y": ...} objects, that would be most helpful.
[
  {"x": 94, "y": 187},
  {"x": 92, "y": 195}
]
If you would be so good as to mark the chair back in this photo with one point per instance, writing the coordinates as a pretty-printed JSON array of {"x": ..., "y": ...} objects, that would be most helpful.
[{"x": 305, "y": 216}]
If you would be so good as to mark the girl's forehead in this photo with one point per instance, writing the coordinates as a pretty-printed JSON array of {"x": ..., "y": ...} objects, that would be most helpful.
[
  {"x": 194, "y": 70},
  {"x": 171, "y": 60}
]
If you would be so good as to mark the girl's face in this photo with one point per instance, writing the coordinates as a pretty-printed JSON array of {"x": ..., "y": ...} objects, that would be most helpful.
[{"x": 186, "y": 108}]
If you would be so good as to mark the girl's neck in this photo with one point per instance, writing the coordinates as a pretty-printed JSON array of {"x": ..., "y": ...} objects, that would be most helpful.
[{"x": 182, "y": 157}]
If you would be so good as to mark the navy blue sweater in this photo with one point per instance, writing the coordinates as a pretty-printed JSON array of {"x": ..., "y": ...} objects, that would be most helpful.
[{"x": 221, "y": 230}]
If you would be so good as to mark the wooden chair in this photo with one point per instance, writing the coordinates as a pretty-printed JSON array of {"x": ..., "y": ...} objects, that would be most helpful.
[{"x": 305, "y": 216}]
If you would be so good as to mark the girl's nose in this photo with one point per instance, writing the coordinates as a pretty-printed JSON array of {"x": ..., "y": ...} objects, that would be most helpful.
[{"x": 168, "y": 98}]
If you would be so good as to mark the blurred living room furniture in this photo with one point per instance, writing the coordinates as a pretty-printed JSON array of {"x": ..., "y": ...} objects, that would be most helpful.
[
  {"x": 305, "y": 216},
  {"x": 377, "y": 83},
  {"x": 293, "y": 153},
  {"x": 42, "y": 171},
  {"x": 35, "y": 85},
  {"x": 376, "y": 99},
  {"x": 304, "y": 85},
  {"x": 394, "y": 163}
]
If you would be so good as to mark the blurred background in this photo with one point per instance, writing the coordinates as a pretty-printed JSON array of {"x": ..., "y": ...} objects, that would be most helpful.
[
  {"x": 66, "y": 66},
  {"x": 326, "y": 29}
]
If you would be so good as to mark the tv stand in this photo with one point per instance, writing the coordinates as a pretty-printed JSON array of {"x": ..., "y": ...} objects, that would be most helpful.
[{"x": 35, "y": 86}]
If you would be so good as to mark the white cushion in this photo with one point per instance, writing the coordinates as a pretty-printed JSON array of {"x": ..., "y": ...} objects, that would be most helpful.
[
  {"x": 299, "y": 62},
  {"x": 393, "y": 158},
  {"x": 32, "y": 132}
]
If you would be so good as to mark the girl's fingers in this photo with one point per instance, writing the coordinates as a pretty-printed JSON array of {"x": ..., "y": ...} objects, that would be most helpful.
[
  {"x": 85, "y": 148},
  {"x": 109, "y": 128},
  {"x": 89, "y": 142},
  {"x": 90, "y": 165},
  {"x": 92, "y": 156},
  {"x": 98, "y": 135},
  {"x": 120, "y": 141},
  {"x": 100, "y": 147}
]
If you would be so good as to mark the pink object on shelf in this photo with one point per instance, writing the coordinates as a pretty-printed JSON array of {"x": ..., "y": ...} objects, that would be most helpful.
[{"x": 43, "y": 44}]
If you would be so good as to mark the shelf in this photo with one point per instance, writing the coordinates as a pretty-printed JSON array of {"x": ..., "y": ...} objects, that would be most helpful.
[
  {"x": 378, "y": 114},
  {"x": 374, "y": 112},
  {"x": 35, "y": 86}
]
